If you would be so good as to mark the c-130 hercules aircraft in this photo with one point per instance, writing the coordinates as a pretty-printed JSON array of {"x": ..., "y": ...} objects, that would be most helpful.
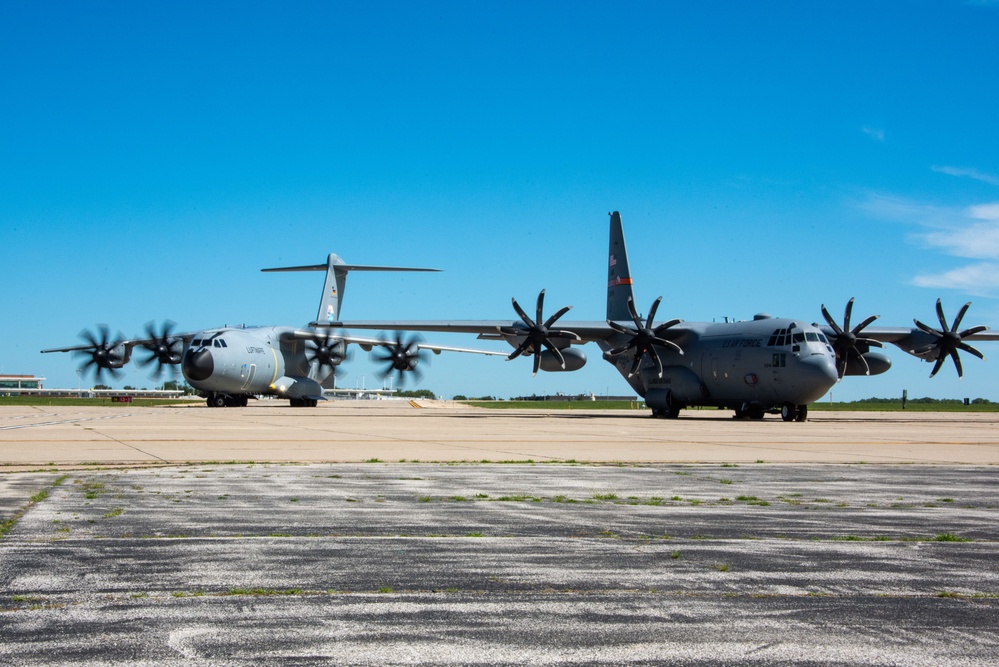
[
  {"x": 228, "y": 365},
  {"x": 769, "y": 364}
]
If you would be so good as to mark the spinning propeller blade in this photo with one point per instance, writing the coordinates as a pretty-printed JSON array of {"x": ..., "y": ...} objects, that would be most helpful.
[
  {"x": 538, "y": 335},
  {"x": 103, "y": 355},
  {"x": 848, "y": 342},
  {"x": 948, "y": 340},
  {"x": 401, "y": 357},
  {"x": 644, "y": 338}
]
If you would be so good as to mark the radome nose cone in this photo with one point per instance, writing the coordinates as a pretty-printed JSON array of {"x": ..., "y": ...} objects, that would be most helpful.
[
  {"x": 198, "y": 364},
  {"x": 818, "y": 373}
]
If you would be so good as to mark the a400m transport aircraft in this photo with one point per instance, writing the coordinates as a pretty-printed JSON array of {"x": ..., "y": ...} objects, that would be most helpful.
[
  {"x": 769, "y": 364},
  {"x": 228, "y": 365}
]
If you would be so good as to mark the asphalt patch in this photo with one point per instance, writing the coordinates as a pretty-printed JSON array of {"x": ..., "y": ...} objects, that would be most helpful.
[{"x": 503, "y": 564}]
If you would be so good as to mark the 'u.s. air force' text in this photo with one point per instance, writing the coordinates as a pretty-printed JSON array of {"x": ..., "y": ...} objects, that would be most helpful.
[{"x": 743, "y": 342}]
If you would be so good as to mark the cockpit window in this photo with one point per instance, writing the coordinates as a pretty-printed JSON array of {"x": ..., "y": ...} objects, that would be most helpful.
[
  {"x": 779, "y": 337},
  {"x": 196, "y": 342},
  {"x": 222, "y": 340},
  {"x": 786, "y": 337}
]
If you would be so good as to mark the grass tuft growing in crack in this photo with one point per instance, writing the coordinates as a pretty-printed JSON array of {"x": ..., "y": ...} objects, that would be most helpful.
[{"x": 8, "y": 525}]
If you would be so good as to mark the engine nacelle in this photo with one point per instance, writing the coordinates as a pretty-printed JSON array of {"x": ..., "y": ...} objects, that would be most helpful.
[
  {"x": 111, "y": 358},
  {"x": 878, "y": 362},
  {"x": 296, "y": 387},
  {"x": 574, "y": 360}
]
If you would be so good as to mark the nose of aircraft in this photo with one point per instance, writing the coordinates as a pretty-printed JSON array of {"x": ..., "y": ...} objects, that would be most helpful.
[
  {"x": 817, "y": 374},
  {"x": 198, "y": 365}
]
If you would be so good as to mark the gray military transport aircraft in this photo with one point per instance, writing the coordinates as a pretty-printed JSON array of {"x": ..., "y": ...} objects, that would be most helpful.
[
  {"x": 228, "y": 365},
  {"x": 769, "y": 364}
]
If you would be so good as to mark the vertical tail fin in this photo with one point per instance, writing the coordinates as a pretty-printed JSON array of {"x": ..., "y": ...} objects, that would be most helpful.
[
  {"x": 619, "y": 288},
  {"x": 336, "y": 279}
]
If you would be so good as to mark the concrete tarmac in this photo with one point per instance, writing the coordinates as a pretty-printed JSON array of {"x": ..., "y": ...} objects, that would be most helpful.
[
  {"x": 270, "y": 534},
  {"x": 346, "y": 431}
]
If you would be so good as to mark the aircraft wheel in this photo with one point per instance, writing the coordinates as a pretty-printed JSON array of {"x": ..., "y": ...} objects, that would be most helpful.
[
  {"x": 788, "y": 412},
  {"x": 755, "y": 412},
  {"x": 672, "y": 407},
  {"x": 801, "y": 414},
  {"x": 216, "y": 401}
]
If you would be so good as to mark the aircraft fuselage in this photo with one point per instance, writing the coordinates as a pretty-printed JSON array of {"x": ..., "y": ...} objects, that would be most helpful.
[
  {"x": 751, "y": 367},
  {"x": 230, "y": 364}
]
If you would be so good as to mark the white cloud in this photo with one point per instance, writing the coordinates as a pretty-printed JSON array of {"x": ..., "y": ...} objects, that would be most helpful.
[
  {"x": 976, "y": 240},
  {"x": 874, "y": 132},
  {"x": 967, "y": 172},
  {"x": 912, "y": 212},
  {"x": 970, "y": 232},
  {"x": 979, "y": 279}
]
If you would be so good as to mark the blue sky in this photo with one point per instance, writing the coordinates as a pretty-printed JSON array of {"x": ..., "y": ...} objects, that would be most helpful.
[{"x": 769, "y": 156}]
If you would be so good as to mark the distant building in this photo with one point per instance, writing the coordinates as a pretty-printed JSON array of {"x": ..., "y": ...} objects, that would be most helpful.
[
  {"x": 576, "y": 397},
  {"x": 20, "y": 382}
]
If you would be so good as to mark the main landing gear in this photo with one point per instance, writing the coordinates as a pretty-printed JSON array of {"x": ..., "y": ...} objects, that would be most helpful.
[
  {"x": 671, "y": 411},
  {"x": 303, "y": 402},
  {"x": 789, "y": 412},
  {"x": 219, "y": 400}
]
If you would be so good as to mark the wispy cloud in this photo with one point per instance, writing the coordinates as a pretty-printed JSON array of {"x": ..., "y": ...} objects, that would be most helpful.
[
  {"x": 875, "y": 133},
  {"x": 975, "y": 236},
  {"x": 980, "y": 279},
  {"x": 967, "y": 173},
  {"x": 970, "y": 232}
]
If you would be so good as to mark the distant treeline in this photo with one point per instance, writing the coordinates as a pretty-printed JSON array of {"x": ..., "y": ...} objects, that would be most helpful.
[
  {"x": 926, "y": 400},
  {"x": 416, "y": 393}
]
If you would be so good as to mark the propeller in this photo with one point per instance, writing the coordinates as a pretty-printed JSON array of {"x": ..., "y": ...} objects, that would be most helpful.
[
  {"x": 848, "y": 342},
  {"x": 401, "y": 356},
  {"x": 645, "y": 339},
  {"x": 164, "y": 349},
  {"x": 326, "y": 350},
  {"x": 949, "y": 340},
  {"x": 102, "y": 357},
  {"x": 538, "y": 334}
]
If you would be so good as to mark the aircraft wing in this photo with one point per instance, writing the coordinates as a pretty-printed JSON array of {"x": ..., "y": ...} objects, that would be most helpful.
[
  {"x": 486, "y": 329},
  {"x": 127, "y": 343},
  {"x": 106, "y": 353},
  {"x": 899, "y": 335},
  {"x": 368, "y": 343},
  {"x": 922, "y": 341},
  {"x": 910, "y": 338}
]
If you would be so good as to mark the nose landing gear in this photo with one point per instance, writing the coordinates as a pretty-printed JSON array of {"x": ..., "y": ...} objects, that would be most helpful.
[{"x": 793, "y": 413}]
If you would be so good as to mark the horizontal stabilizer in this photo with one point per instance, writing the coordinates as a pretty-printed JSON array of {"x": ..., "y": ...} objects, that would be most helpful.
[
  {"x": 336, "y": 278},
  {"x": 346, "y": 267}
]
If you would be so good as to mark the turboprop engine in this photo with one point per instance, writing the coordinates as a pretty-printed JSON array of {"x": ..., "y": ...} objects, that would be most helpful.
[{"x": 574, "y": 360}]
